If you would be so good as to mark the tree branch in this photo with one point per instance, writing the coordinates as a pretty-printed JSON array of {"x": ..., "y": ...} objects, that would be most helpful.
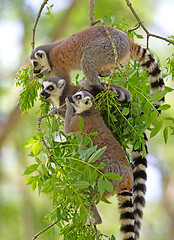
[
  {"x": 45, "y": 229},
  {"x": 35, "y": 24},
  {"x": 91, "y": 12},
  {"x": 144, "y": 28}
]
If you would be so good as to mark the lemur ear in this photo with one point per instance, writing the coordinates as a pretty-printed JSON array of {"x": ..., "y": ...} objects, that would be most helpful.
[
  {"x": 88, "y": 101},
  {"x": 61, "y": 83},
  {"x": 40, "y": 54}
]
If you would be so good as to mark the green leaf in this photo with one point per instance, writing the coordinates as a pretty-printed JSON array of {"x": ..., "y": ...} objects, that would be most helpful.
[
  {"x": 28, "y": 143},
  {"x": 112, "y": 238},
  {"x": 86, "y": 173},
  {"x": 31, "y": 169},
  {"x": 102, "y": 165},
  {"x": 164, "y": 107},
  {"x": 39, "y": 135},
  {"x": 93, "y": 178},
  {"x": 105, "y": 200},
  {"x": 97, "y": 154},
  {"x": 80, "y": 123},
  {"x": 156, "y": 129},
  {"x": 165, "y": 134},
  {"x": 101, "y": 185},
  {"x": 169, "y": 89},
  {"x": 86, "y": 140},
  {"x": 108, "y": 185},
  {"x": 125, "y": 111},
  {"x": 86, "y": 153},
  {"x": 33, "y": 185},
  {"x": 172, "y": 128},
  {"x": 139, "y": 36},
  {"x": 36, "y": 148},
  {"x": 113, "y": 176},
  {"x": 74, "y": 174},
  {"x": 159, "y": 95},
  {"x": 45, "y": 171},
  {"x": 93, "y": 134},
  {"x": 81, "y": 184},
  {"x": 59, "y": 215},
  {"x": 170, "y": 119}
]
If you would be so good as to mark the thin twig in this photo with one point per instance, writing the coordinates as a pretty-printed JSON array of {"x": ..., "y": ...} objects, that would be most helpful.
[
  {"x": 133, "y": 29},
  {"x": 144, "y": 28},
  {"x": 39, "y": 129},
  {"x": 109, "y": 86},
  {"x": 35, "y": 24},
  {"x": 45, "y": 229},
  {"x": 91, "y": 12},
  {"x": 96, "y": 233}
]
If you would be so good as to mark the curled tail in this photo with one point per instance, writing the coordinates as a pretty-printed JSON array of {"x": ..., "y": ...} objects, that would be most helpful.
[
  {"x": 126, "y": 214},
  {"x": 149, "y": 64},
  {"x": 139, "y": 187}
]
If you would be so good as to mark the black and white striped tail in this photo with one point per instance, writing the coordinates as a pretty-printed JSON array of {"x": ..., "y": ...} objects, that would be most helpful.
[
  {"x": 149, "y": 64},
  {"x": 126, "y": 214},
  {"x": 139, "y": 187}
]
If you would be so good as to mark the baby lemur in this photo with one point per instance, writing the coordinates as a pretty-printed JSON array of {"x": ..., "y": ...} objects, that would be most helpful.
[
  {"x": 81, "y": 104},
  {"x": 91, "y": 51}
]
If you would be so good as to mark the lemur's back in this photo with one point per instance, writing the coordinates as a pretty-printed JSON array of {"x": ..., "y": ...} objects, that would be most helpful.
[
  {"x": 114, "y": 156},
  {"x": 94, "y": 36}
]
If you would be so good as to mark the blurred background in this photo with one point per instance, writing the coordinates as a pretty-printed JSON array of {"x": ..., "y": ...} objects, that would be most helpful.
[{"x": 22, "y": 211}]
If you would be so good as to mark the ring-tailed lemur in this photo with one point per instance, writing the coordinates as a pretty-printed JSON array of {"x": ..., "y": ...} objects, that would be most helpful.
[
  {"x": 56, "y": 90},
  {"x": 91, "y": 50},
  {"x": 114, "y": 157}
]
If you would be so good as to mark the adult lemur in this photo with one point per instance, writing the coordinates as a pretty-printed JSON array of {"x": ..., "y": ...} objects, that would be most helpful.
[
  {"x": 114, "y": 157},
  {"x": 92, "y": 51}
]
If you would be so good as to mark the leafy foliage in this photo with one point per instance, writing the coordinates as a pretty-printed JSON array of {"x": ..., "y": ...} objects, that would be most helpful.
[
  {"x": 69, "y": 178},
  {"x": 28, "y": 94},
  {"x": 72, "y": 175},
  {"x": 128, "y": 121}
]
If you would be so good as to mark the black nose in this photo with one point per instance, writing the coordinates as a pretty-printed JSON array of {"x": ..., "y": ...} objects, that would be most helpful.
[
  {"x": 70, "y": 99},
  {"x": 44, "y": 94},
  {"x": 36, "y": 71}
]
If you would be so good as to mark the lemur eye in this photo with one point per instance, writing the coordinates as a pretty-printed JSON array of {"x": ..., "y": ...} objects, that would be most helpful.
[
  {"x": 35, "y": 64},
  {"x": 78, "y": 96},
  {"x": 50, "y": 88}
]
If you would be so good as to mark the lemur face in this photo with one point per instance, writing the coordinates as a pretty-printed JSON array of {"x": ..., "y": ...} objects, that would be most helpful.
[
  {"x": 81, "y": 101},
  {"x": 40, "y": 62},
  {"x": 51, "y": 90}
]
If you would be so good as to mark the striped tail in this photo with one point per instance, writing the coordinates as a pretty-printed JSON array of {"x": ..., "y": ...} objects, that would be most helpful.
[
  {"x": 149, "y": 64},
  {"x": 139, "y": 187},
  {"x": 126, "y": 214}
]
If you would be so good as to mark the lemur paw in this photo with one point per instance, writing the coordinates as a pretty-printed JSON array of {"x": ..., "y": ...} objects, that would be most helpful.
[{"x": 53, "y": 111}]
